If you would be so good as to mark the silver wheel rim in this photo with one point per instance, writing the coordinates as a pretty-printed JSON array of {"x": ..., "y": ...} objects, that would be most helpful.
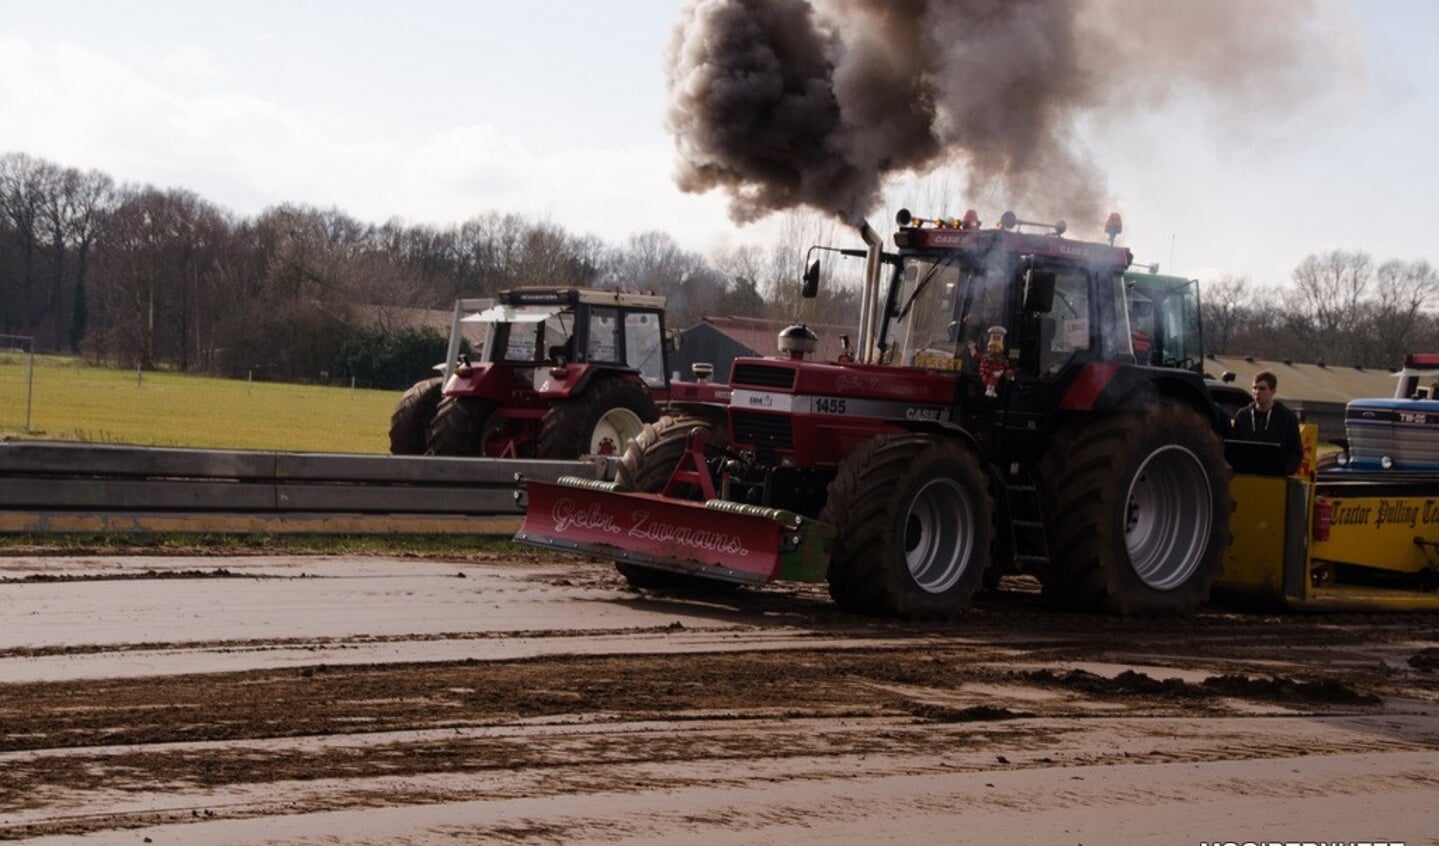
[
  {"x": 1168, "y": 516},
  {"x": 939, "y": 535},
  {"x": 617, "y": 427}
]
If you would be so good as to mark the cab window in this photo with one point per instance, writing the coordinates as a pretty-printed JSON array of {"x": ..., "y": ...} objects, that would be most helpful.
[
  {"x": 604, "y": 342},
  {"x": 1066, "y": 331},
  {"x": 644, "y": 345},
  {"x": 522, "y": 342}
]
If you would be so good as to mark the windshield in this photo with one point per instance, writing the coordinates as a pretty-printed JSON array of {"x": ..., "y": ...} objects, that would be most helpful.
[
  {"x": 951, "y": 313},
  {"x": 1164, "y": 321},
  {"x": 943, "y": 307},
  {"x": 535, "y": 338}
]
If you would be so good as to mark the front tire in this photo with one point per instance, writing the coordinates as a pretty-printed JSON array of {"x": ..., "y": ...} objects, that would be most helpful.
[
  {"x": 601, "y": 421},
  {"x": 1142, "y": 509},
  {"x": 410, "y": 423},
  {"x": 651, "y": 456},
  {"x": 648, "y": 462},
  {"x": 914, "y": 528},
  {"x": 460, "y": 426}
]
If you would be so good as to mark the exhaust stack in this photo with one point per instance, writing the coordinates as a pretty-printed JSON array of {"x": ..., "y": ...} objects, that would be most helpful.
[{"x": 869, "y": 297}]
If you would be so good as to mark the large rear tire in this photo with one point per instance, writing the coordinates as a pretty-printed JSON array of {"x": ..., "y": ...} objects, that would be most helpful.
[
  {"x": 648, "y": 462},
  {"x": 601, "y": 421},
  {"x": 460, "y": 427},
  {"x": 410, "y": 424},
  {"x": 914, "y": 524},
  {"x": 1142, "y": 506}
]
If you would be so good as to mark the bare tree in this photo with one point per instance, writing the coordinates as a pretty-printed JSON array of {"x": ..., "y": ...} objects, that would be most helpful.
[
  {"x": 742, "y": 267},
  {"x": 73, "y": 216},
  {"x": 24, "y": 185},
  {"x": 799, "y": 230},
  {"x": 128, "y": 270},
  {"x": 1325, "y": 302},
  {"x": 491, "y": 246},
  {"x": 155, "y": 272},
  {"x": 652, "y": 261},
  {"x": 1224, "y": 307},
  {"x": 549, "y": 256},
  {"x": 1404, "y": 292}
]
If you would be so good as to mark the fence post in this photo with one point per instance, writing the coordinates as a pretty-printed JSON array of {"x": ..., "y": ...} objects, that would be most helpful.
[{"x": 29, "y": 386}]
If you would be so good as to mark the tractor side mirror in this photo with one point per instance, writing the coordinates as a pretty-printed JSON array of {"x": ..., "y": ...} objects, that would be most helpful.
[
  {"x": 811, "y": 280},
  {"x": 673, "y": 340},
  {"x": 1039, "y": 291}
]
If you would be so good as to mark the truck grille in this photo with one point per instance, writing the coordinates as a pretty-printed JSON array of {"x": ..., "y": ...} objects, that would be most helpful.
[
  {"x": 763, "y": 375},
  {"x": 763, "y": 431},
  {"x": 1411, "y": 440}
]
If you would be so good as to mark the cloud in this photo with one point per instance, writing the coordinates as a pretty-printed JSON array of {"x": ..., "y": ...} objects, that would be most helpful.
[
  {"x": 69, "y": 103},
  {"x": 192, "y": 62},
  {"x": 77, "y": 107},
  {"x": 608, "y": 192}
]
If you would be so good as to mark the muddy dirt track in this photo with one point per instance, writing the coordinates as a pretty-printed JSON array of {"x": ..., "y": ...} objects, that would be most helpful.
[{"x": 537, "y": 699}]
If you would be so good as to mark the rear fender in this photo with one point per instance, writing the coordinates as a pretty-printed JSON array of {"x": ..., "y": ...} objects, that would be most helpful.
[
  {"x": 1104, "y": 386},
  {"x": 575, "y": 379},
  {"x": 943, "y": 428},
  {"x": 485, "y": 381},
  {"x": 715, "y": 539}
]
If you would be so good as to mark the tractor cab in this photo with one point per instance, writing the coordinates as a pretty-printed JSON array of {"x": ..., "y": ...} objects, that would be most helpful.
[
  {"x": 1001, "y": 304},
  {"x": 537, "y": 331},
  {"x": 1164, "y": 318}
]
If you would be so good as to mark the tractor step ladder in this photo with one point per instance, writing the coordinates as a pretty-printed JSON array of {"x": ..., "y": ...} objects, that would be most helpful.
[{"x": 1028, "y": 537}]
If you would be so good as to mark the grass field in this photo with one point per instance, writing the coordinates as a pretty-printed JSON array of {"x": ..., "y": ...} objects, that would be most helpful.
[{"x": 76, "y": 401}]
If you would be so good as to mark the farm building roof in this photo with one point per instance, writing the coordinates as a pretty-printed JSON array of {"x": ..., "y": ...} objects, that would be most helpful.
[
  {"x": 761, "y": 335},
  {"x": 1307, "y": 382}
]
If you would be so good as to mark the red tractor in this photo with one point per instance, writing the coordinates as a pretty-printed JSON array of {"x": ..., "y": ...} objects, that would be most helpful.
[
  {"x": 994, "y": 418},
  {"x": 561, "y": 373}
]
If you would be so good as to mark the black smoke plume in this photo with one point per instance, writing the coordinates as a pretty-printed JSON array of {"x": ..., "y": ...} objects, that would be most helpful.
[{"x": 787, "y": 102}]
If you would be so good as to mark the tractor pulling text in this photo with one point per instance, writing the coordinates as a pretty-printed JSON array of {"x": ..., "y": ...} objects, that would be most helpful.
[{"x": 1386, "y": 513}]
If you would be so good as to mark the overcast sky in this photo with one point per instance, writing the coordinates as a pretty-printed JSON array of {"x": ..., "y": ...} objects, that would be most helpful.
[{"x": 438, "y": 110}]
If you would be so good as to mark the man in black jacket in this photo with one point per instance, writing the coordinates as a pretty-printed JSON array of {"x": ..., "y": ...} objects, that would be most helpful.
[{"x": 1266, "y": 419}]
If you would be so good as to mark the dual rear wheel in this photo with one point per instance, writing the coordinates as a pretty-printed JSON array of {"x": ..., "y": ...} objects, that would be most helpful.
[
  {"x": 1141, "y": 507},
  {"x": 1138, "y": 509}
]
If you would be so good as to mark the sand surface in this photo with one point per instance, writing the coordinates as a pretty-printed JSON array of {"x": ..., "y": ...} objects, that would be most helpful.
[{"x": 537, "y": 699}]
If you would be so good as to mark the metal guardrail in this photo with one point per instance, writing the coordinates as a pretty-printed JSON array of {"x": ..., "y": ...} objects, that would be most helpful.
[{"x": 65, "y": 487}]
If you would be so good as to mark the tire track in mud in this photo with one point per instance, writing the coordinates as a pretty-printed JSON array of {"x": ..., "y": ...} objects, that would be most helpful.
[
  {"x": 771, "y": 687},
  {"x": 630, "y": 759},
  {"x": 559, "y": 726}
]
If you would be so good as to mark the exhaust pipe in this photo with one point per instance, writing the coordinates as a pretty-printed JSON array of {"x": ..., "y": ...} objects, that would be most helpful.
[{"x": 869, "y": 298}]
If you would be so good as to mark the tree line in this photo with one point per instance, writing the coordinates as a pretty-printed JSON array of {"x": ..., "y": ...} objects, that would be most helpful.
[
  {"x": 140, "y": 276},
  {"x": 144, "y": 277},
  {"x": 1340, "y": 308}
]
